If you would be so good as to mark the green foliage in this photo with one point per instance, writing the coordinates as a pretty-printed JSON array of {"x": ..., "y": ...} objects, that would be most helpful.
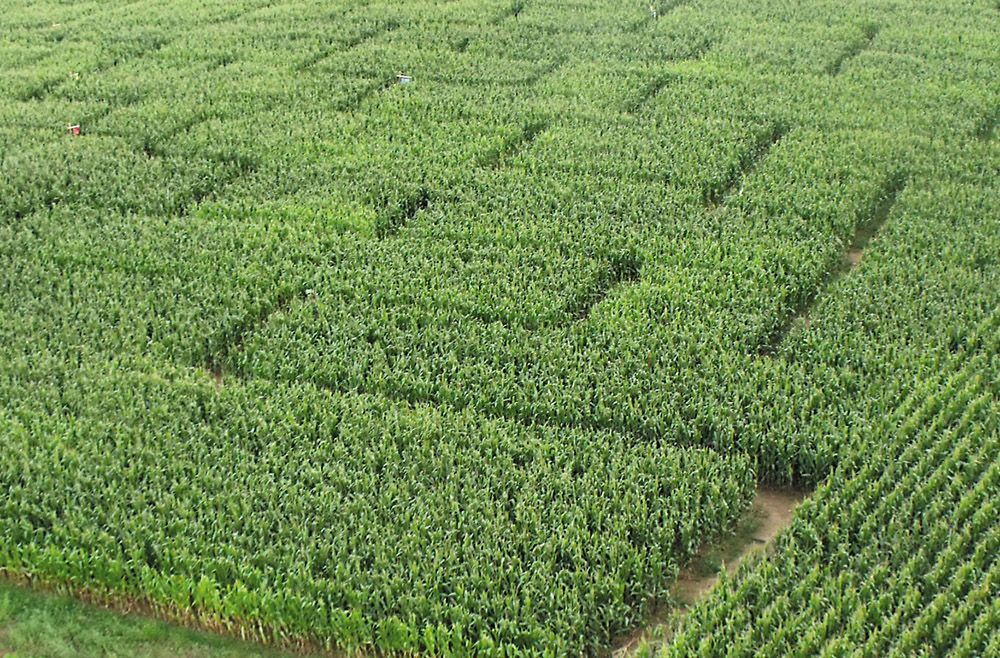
[
  {"x": 897, "y": 552},
  {"x": 494, "y": 350},
  {"x": 383, "y": 523},
  {"x": 36, "y": 625}
]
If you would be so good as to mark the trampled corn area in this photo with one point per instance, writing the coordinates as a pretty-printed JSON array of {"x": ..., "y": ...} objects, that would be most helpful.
[{"x": 455, "y": 328}]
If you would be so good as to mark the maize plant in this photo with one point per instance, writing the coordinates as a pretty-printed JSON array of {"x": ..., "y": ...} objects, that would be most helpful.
[{"x": 457, "y": 328}]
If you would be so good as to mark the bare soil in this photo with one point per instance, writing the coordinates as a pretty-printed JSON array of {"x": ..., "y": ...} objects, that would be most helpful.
[
  {"x": 777, "y": 507},
  {"x": 771, "y": 512}
]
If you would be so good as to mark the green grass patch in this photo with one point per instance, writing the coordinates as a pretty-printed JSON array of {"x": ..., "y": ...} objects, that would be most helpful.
[{"x": 41, "y": 625}]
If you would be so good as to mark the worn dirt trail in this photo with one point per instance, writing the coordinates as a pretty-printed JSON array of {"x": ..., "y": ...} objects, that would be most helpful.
[{"x": 771, "y": 512}]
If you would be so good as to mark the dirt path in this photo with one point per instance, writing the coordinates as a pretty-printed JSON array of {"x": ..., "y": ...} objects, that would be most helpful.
[{"x": 771, "y": 512}]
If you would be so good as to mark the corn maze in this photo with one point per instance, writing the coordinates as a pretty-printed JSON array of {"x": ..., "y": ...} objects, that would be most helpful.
[{"x": 456, "y": 328}]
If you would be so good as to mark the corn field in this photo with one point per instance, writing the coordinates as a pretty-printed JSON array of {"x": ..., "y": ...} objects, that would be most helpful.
[{"x": 457, "y": 328}]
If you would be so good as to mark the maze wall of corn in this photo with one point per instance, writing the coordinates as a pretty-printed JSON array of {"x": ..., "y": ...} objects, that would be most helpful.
[{"x": 458, "y": 328}]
